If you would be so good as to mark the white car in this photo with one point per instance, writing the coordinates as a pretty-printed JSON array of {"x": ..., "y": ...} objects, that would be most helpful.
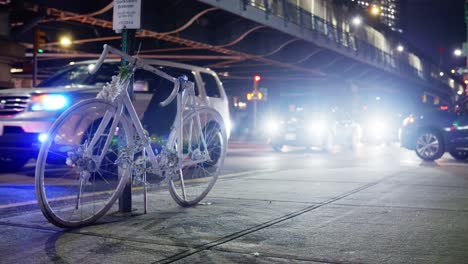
[{"x": 26, "y": 114}]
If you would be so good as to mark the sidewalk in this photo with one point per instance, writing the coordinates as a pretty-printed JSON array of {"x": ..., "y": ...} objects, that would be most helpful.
[{"x": 333, "y": 215}]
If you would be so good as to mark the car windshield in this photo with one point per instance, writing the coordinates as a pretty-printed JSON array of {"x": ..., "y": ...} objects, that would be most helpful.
[{"x": 76, "y": 75}]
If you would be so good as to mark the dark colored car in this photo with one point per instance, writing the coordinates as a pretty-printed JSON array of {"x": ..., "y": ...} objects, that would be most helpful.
[
  {"x": 299, "y": 130},
  {"x": 311, "y": 129},
  {"x": 433, "y": 132}
]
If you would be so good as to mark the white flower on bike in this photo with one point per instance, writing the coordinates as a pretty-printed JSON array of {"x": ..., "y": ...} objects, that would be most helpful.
[{"x": 111, "y": 90}]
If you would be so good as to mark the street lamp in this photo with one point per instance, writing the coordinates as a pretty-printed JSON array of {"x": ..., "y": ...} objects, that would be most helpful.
[
  {"x": 357, "y": 21},
  {"x": 374, "y": 10},
  {"x": 458, "y": 52},
  {"x": 65, "y": 41},
  {"x": 441, "y": 74},
  {"x": 400, "y": 48}
]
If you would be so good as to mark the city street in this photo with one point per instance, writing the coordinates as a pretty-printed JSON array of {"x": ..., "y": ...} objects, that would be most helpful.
[
  {"x": 240, "y": 131},
  {"x": 377, "y": 204}
]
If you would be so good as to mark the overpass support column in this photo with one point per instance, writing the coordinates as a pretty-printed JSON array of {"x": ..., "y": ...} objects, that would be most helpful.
[{"x": 9, "y": 50}]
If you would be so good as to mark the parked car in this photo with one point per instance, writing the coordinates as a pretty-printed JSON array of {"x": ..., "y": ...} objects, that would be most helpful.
[
  {"x": 433, "y": 132},
  {"x": 27, "y": 114}
]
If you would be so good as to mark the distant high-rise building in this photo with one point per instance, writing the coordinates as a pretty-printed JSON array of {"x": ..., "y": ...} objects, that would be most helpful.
[{"x": 389, "y": 11}]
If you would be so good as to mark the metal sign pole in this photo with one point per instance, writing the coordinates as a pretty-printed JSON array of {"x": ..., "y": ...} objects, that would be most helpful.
[
  {"x": 466, "y": 43},
  {"x": 128, "y": 46}
]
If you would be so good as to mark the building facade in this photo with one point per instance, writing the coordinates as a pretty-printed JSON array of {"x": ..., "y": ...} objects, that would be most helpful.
[{"x": 390, "y": 11}]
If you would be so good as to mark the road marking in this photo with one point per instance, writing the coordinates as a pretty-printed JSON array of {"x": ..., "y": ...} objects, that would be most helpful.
[
  {"x": 6, "y": 206},
  {"x": 33, "y": 202}
]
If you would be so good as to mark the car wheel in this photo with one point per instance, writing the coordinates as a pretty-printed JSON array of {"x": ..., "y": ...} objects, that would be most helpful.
[
  {"x": 459, "y": 154},
  {"x": 429, "y": 145},
  {"x": 277, "y": 147},
  {"x": 10, "y": 164}
]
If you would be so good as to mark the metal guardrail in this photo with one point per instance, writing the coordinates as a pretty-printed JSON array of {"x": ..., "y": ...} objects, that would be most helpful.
[{"x": 290, "y": 12}]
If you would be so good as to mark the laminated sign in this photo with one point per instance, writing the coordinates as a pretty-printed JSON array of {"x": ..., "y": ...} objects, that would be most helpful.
[{"x": 127, "y": 14}]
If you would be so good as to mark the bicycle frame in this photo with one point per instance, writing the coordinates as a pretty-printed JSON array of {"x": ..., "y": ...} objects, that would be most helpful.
[{"x": 185, "y": 99}]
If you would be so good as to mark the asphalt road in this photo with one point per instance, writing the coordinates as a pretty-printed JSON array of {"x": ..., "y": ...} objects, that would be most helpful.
[{"x": 379, "y": 204}]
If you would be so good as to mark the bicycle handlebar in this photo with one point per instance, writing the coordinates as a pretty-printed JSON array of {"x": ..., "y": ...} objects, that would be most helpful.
[
  {"x": 139, "y": 63},
  {"x": 173, "y": 94},
  {"x": 104, "y": 54}
]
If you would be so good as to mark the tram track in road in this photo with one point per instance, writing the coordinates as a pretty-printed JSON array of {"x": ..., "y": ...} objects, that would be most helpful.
[
  {"x": 272, "y": 222},
  {"x": 188, "y": 250}
]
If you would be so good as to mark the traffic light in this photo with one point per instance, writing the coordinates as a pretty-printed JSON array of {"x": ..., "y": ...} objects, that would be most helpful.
[
  {"x": 257, "y": 78},
  {"x": 255, "y": 96},
  {"x": 259, "y": 96},
  {"x": 39, "y": 40}
]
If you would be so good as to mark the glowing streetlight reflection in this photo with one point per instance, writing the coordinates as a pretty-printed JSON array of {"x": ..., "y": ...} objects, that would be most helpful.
[
  {"x": 374, "y": 10},
  {"x": 65, "y": 41},
  {"x": 357, "y": 21}
]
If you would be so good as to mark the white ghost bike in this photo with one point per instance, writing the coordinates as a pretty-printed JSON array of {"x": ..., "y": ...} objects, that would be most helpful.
[{"x": 98, "y": 145}]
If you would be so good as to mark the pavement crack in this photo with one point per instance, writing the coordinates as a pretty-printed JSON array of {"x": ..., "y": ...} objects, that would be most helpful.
[
  {"x": 401, "y": 207},
  {"x": 287, "y": 257}
]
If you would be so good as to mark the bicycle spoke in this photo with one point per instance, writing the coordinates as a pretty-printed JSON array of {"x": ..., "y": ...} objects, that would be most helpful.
[{"x": 202, "y": 157}]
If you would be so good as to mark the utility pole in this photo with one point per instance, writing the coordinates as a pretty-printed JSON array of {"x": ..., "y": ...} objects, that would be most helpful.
[
  {"x": 38, "y": 45},
  {"x": 465, "y": 45},
  {"x": 255, "y": 92},
  {"x": 34, "y": 79}
]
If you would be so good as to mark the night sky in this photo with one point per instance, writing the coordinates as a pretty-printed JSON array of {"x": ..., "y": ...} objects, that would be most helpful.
[{"x": 433, "y": 24}]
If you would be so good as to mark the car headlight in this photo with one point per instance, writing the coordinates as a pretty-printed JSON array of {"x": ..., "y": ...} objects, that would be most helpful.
[
  {"x": 377, "y": 128},
  {"x": 272, "y": 126},
  {"x": 317, "y": 127},
  {"x": 43, "y": 137},
  {"x": 48, "y": 102}
]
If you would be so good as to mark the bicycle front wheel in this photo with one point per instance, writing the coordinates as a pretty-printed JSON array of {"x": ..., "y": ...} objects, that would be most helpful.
[
  {"x": 204, "y": 144},
  {"x": 77, "y": 178}
]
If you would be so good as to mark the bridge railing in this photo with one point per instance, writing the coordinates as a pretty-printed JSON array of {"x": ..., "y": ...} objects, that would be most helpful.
[{"x": 343, "y": 36}]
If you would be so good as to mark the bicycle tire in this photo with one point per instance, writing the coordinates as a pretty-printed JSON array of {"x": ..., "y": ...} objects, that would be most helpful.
[
  {"x": 198, "y": 186},
  {"x": 64, "y": 135}
]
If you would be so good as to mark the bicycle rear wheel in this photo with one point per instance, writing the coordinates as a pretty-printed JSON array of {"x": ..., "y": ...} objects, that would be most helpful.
[
  {"x": 73, "y": 188},
  {"x": 198, "y": 174}
]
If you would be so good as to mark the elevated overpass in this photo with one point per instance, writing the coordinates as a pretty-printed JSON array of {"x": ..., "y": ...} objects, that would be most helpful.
[
  {"x": 293, "y": 44},
  {"x": 319, "y": 36}
]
